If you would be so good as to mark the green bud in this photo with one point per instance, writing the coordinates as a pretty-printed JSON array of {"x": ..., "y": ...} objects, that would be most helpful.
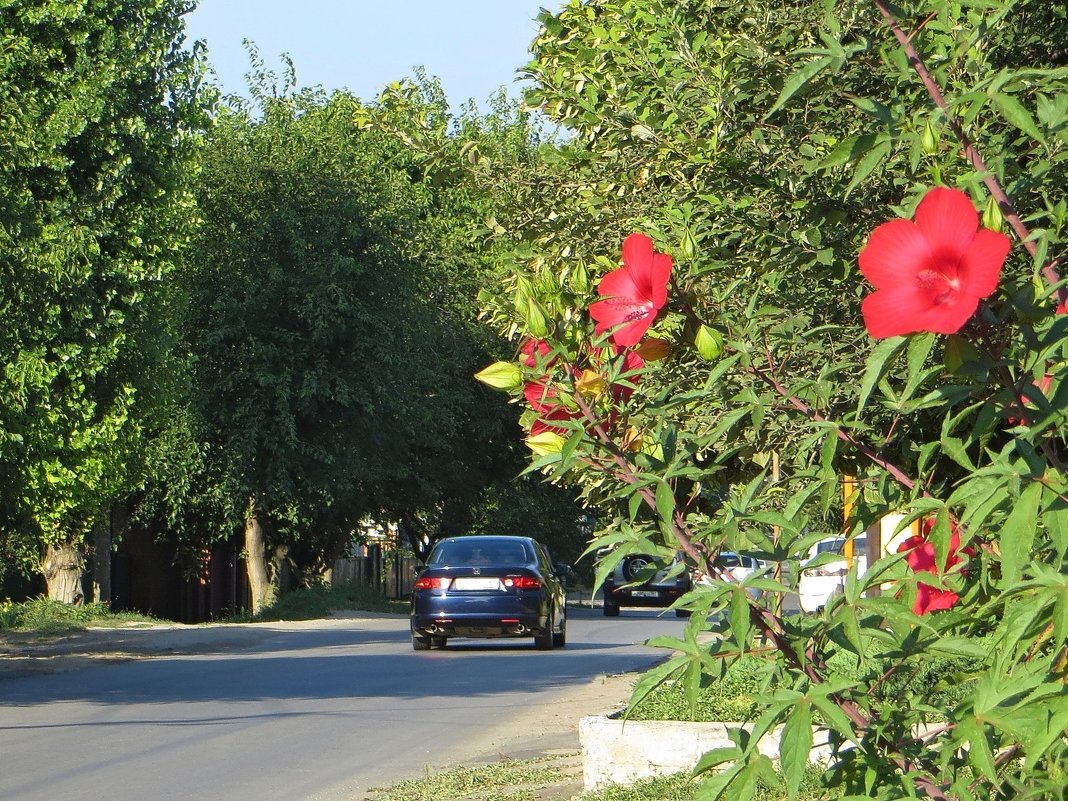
[
  {"x": 501, "y": 375},
  {"x": 709, "y": 343},
  {"x": 537, "y": 325},
  {"x": 992, "y": 218},
  {"x": 545, "y": 443},
  {"x": 688, "y": 245},
  {"x": 580, "y": 279},
  {"x": 929, "y": 139}
]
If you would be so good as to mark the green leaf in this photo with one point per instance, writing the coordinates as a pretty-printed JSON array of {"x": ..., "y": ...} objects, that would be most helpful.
[
  {"x": 1018, "y": 533},
  {"x": 1013, "y": 111},
  {"x": 798, "y": 80},
  {"x": 741, "y": 623},
  {"x": 876, "y": 365},
  {"x": 665, "y": 502},
  {"x": 795, "y": 745},
  {"x": 867, "y": 165}
]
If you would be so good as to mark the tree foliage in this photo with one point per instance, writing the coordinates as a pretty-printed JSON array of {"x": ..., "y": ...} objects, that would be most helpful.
[{"x": 98, "y": 102}]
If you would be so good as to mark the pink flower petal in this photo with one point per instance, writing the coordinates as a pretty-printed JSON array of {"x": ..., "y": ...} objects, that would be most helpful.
[
  {"x": 932, "y": 599},
  {"x": 540, "y": 395},
  {"x": 896, "y": 251},
  {"x": 638, "y": 254},
  {"x": 632, "y": 319},
  {"x": 980, "y": 266},
  {"x": 908, "y": 309},
  {"x": 949, "y": 221},
  {"x": 659, "y": 275},
  {"x": 619, "y": 284}
]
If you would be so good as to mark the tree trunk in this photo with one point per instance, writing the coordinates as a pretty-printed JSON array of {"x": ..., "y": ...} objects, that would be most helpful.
[
  {"x": 62, "y": 567},
  {"x": 102, "y": 559},
  {"x": 256, "y": 560}
]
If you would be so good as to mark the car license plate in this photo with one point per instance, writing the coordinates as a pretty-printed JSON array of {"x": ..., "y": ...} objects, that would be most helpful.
[
  {"x": 476, "y": 583},
  {"x": 645, "y": 594}
]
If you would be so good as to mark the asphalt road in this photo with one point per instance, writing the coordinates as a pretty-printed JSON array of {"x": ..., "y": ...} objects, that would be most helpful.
[{"x": 321, "y": 712}]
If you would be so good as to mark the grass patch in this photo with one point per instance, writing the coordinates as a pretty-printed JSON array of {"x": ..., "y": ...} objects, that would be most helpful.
[
  {"x": 511, "y": 780},
  {"x": 318, "y": 602},
  {"x": 681, "y": 787},
  {"x": 527, "y": 780},
  {"x": 726, "y": 699},
  {"x": 45, "y": 616}
]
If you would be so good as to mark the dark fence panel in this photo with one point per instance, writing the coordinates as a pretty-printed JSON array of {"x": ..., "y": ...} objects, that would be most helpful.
[{"x": 391, "y": 574}]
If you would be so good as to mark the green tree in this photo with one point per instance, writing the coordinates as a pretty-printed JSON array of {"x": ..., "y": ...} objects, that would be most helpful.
[
  {"x": 300, "y": 302},
  {"x": 98, "y": 107}
]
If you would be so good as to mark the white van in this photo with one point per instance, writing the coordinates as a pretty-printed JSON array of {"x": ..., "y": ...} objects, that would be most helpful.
[{"x": 818, "y": 584}]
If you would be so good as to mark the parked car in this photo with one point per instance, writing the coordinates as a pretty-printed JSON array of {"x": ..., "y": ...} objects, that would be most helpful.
[
  {"x": 817, "y": 585},
  {"x": 489, "y": 586},
  {"x": 739, "y": 566},
  {"x": 657, "y": 584}
]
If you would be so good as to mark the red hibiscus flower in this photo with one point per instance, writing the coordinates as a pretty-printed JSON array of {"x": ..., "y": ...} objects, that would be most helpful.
[
  {"x": 930, "y": 274},
  {"x": 634, "y": 293},
  {"x": 544, "y": 399},
  {"x": 921, "y": 558},
  {"x": 534, "y": 351}
]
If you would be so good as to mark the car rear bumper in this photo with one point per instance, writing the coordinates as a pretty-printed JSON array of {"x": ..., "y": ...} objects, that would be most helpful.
[
  {"x": 516, "y": 615},
  {"x": 644, "y": 596}
]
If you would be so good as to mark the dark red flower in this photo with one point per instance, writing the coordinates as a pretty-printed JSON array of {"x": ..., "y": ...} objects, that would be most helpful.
[
  {"x": 548, "y": 416},
  {"x": 634, "y": 293},
  {"x": 930, "y": 274},
  {"x": 544, "y": 399},
  {"x": 534, "y": 351},
  {"x": 920, "y": 556}
]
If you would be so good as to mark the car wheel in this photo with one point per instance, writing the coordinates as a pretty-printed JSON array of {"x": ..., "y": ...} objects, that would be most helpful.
[
  {"x": 683, "y": 613},
  {"x": 420, "y": 643},
  {"x": 545, "y": 640},
  {"x": 611, "y": 610},
  {"x": 560, "y": 638},
  {"x": 438, "y": 642}
]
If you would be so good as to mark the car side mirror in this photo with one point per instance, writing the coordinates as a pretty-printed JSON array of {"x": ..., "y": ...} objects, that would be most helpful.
[{"x": 564, "y": 572}]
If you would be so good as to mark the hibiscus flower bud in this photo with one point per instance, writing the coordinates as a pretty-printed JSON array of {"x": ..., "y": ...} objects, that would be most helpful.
[
  {"x": 929, "y": 139},
  {"x": 653, "y": 349},
  {"x": 545, "y": 443},
  {"x": 501, "y": 375},
  {"x": 992, "y": 218},
  {"x": 709, "y": 343}
]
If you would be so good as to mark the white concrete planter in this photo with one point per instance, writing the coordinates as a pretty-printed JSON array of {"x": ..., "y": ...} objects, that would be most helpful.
[{"x": 615, "y": 751}]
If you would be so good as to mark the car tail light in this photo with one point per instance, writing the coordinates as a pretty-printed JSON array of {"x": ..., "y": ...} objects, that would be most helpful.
[
  {"x": 428, "y": 583},
  {"x": 521, "y": 582}
]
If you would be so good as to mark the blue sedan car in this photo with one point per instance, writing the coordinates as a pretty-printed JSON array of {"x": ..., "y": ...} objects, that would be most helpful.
[{"x": 489, "y": 586}]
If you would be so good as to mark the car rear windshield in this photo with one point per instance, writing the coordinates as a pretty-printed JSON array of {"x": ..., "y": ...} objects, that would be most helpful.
[
  {"x": 481, "y": 552},
  {"x": 860, "y": 546}
]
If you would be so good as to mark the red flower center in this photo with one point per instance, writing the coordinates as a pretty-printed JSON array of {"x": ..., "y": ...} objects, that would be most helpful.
[{"x": 936, "y": 282}]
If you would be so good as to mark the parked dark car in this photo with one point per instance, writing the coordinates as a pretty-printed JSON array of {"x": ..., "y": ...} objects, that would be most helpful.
[
  {"x": 640, "y": 580},
  {"x": 489, "y": 586}
]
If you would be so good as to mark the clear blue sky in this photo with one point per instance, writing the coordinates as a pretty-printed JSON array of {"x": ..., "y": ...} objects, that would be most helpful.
[{"x": 473, "y": 46}]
